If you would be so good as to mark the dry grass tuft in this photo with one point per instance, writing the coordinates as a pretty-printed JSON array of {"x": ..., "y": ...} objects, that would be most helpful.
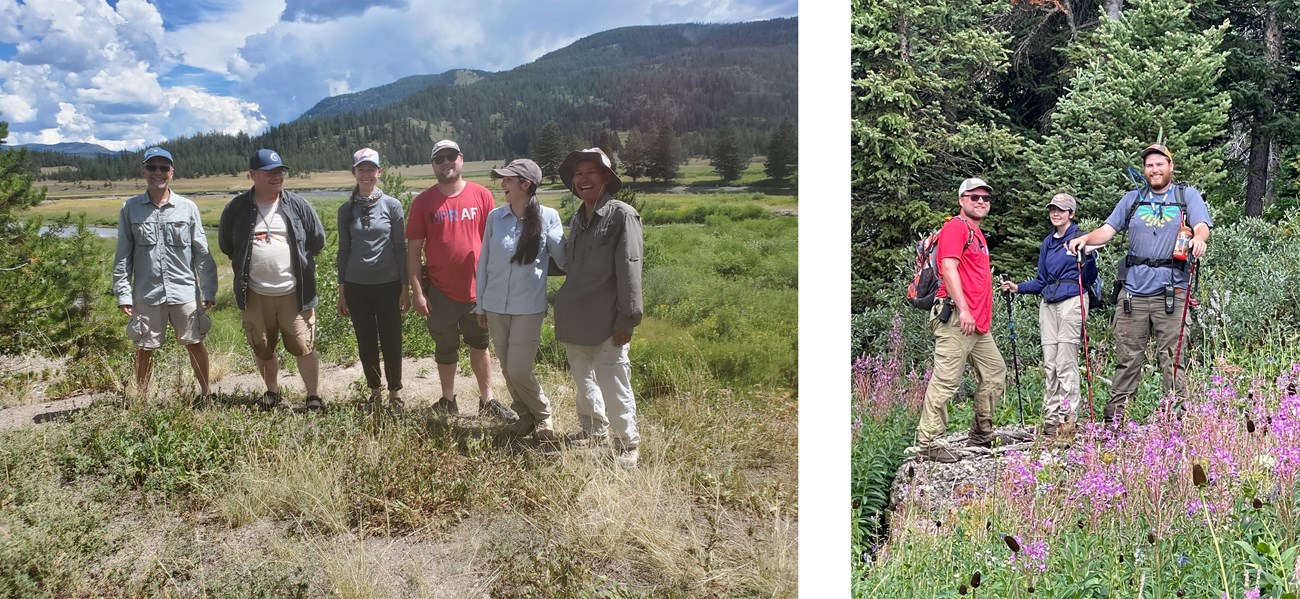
[{"x": 292, "y": 483}]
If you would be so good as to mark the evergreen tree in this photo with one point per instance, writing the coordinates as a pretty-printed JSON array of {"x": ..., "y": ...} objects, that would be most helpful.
[
  {"x": 923, "y": 77},
  {"x": 782, "y": 152},
  {"x": 634, "y": 155},
  {"x": 725, "y": 157},
  {"x": 1148, "y": 76},
  {"x": 661, "y": 162},
  {"x": 548, "y": 150},
  {"x": 16, "y": 180}
]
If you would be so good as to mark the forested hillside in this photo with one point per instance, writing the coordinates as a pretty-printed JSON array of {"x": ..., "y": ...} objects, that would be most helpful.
[
  {"x": 386, "y": 95},
  {"x": 1041, "y": 96},
  {"x": 693, "y": 79}
]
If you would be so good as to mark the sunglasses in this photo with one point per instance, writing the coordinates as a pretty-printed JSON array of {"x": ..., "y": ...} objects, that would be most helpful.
[
  {"x": 979, "y": 197},
  {"x": 441, "y": 158},
  {"x": 365, "y": 217},
  {"x": 158, "y": 168}
]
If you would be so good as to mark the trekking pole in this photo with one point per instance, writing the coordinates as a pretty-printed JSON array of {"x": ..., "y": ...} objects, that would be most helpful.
[
  {"x": 1187, "y": 303},
  {"x": 1015, "y": 359},
  {"x": 1083, "y": 328}
]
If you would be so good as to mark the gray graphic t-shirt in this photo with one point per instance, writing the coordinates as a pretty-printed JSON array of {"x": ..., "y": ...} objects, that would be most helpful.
[{"x": 1152, "y": 232}]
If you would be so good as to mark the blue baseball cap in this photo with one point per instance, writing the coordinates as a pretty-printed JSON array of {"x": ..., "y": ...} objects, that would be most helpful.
[
  {"x": 265, "y": 160},
  {"x": 157, "y": 153}
]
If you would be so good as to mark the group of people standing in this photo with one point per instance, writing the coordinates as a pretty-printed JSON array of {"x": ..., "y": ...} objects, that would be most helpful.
[
  {"x": 1154, "y": 278},
  {"x": 474, "y": 271}
]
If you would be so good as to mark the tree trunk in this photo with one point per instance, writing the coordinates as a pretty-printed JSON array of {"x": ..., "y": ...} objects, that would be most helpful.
[
  {"x": 1257, "y": 177},
  {"x": 1261, "y": 136},
  {"x": 1114, "y": 8}
]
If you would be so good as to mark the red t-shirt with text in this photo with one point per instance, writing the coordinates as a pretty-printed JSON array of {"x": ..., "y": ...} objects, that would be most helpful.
[
  {"x": 972, "y": 268},
  {"x": 452, "y": 230}
]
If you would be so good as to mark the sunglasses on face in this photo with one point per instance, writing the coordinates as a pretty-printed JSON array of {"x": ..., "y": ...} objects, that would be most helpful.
[
  {"x": 979, "y": 197},
  {"x": 441, "y": 158},
  {"x": 365, "y": 217},
  {"x": 159, "y": 168}
]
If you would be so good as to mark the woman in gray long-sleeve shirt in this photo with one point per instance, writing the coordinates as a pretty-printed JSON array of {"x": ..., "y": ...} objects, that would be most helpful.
[{"x": 373, "y": 288}]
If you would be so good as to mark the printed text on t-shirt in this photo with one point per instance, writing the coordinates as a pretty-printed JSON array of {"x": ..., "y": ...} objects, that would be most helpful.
[{"x": 451, "y": 214}]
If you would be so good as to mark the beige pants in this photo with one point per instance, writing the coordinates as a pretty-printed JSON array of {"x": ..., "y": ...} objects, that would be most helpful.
[
  {"x": 952, "y": 352},
  {"x": 1060, "y": 325}
]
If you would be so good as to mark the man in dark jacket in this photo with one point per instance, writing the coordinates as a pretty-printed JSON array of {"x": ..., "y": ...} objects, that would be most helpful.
[
  {"x": 272, "y": 237},
  {"x": 599, "y": 304}
]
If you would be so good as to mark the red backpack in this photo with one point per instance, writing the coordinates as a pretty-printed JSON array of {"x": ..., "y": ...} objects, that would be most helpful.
[{"x": 926, "y": 276}]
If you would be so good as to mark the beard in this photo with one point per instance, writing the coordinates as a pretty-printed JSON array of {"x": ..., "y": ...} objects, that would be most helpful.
[{"x": 450, "y": 177}]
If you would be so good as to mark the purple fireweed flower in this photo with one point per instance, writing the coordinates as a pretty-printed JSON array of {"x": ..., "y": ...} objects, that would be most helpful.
[
  {"x": 1251, "y": 594},
  {"x": 1032, "y": 558}
]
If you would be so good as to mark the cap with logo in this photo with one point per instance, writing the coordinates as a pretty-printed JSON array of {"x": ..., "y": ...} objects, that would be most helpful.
[
  {"x": 157, "y": 153},
  {"x": 365, "y": 155},
  {"x": 522, "y": 167},
  {"x": 1157, "y": 149},
  {"x": 445, "y": 144},
  {"x": 972, "y": 183},
  {"x": 1064, "y": 201},
  {"x": 265, "y": 160}
]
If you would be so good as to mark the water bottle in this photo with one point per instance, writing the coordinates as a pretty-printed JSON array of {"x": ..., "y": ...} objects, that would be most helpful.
[{"x": 1181, "y": 243}]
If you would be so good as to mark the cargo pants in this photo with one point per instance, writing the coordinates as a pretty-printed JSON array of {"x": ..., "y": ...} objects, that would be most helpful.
[
  {"x": 952, "y": 352},
  {"x": 1133, "y": 331}
]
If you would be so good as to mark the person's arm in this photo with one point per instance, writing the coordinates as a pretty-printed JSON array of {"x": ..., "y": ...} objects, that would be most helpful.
[
  {"x": 481, "y": 271},
  {"x": 344, "y": 254},
  {"x": 205, "y": 268},
  {"x": 122, "y": 262},
  {"x": 1095, "y": 238},
  {"x": 413, "y": 262},
  {"x": 628, "y": 253},
  {"x": 555, "y": 241},
  {"x": 315, "y": 232},
  {"x": 398, "y": 238},
  {"x": 225, "y": 240},
  {"x": 952, "y": 283}
]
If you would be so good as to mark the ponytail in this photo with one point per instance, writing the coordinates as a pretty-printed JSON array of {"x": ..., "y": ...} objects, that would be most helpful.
[{"x": 530, "y": 239}]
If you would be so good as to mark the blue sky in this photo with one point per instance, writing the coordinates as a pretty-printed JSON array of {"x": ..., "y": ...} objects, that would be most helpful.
[{"x": 127, "y": 73}]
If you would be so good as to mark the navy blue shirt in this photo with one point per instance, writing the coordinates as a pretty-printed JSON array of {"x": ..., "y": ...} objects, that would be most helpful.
[{"x": 1058, "y": 272}]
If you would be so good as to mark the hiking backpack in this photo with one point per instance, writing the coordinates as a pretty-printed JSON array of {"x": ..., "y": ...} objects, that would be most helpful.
[{"x": 926, "y": 276}]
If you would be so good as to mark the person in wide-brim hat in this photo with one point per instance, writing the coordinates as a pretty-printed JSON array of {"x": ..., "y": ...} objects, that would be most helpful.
[{"x": 612, "y": 185}]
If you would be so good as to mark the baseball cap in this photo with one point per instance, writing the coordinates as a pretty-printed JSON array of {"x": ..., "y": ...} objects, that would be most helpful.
[
  {"x": 443, "y": 145},
  {"x": 972, "y": 183},
  {"x": 365, "y": 155},
  {"x": 265, "y": 160},
  {"x": 596, "y": 154},
  {"x": 1157, "y": 149},
  {"x": 157, "y": 153},
  {"x": 522, "y": 167},
  {"x": 1064, "y": 201}
]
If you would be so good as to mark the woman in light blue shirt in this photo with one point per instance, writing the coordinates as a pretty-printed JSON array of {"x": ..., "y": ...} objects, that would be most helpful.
[{"x": 521, "y": 239}]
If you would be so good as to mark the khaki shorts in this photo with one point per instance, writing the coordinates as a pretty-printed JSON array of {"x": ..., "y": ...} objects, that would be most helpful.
[
  {"x": 266, "y": 318},
  {"x": 448, "y": 321},
  {"x": 148, "y": 324}
]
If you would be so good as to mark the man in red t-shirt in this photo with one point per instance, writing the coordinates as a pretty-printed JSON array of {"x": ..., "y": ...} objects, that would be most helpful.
[
  {"x": 960, "y": 319},
  {"x": 447, "y": 223}
]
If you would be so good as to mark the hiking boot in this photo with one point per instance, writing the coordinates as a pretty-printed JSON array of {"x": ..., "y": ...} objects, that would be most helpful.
[
  {"x": 495, "y": 408},
  {"x": 1065, "y": 434},
  {"x": 545, "y": 435},
  {"x": 395, "y": 403},
  {"x": 446, "y": 406},
  {"x": 584, "y": 439},
  {"x": 314, "y": 403},
  {"x": 269, "y": 400},
  {"x": 1048, "y": 432},
  {"x": 627, "y": 458},
  {"x": 943, "y": 455},
  {"x": 202, "y": 400},
  {"x": 998, "y": 440},
  {"x": 523, "y": 427}
]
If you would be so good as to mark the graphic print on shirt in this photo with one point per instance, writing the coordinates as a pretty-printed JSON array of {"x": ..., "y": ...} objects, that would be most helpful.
[
  {"x": 1157, "y": 215},
  {"x": 448, "y": 215}
]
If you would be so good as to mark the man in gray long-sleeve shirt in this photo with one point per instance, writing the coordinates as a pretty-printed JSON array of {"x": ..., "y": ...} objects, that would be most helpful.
[
  {"x": 599, "y": 304},
  {"x": 161, "y": 267}
]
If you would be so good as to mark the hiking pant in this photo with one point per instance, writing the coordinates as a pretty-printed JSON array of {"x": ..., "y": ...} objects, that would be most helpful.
[
  {"x": 377, "y": 320},
  {"x": 1133, "y": 331},
  {"x": 603, "y": 377},
  {"x": 1060, "y": 325},
  {"x": 952, "y": 352},
  {"x": 516, "y": 338}
]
